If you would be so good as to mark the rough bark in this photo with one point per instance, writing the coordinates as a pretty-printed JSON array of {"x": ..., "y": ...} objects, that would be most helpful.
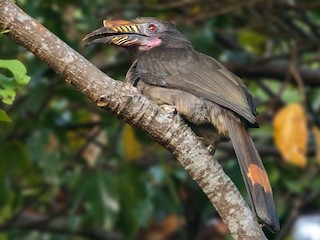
[{"x": 125, "y": 102}]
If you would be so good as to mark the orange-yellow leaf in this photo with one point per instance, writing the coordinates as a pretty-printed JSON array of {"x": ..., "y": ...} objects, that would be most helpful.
[
  {"x": 316, "y": 133},
  {"x": 291, "y": 134},
  {"x": 131, "y": 145}
]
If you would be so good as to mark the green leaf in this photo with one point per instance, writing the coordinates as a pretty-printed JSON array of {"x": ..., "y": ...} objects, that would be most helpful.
[
  {"x": 18, "y": 70},
  {"x": 97, "y": 190},
  {"x": 4, "y": 116},
  {"x": 5, "y": 31},
  {"x": 8, "y": 95},
  {"x": 8, "y": 84},
  {"x": 134, "y": 200}
]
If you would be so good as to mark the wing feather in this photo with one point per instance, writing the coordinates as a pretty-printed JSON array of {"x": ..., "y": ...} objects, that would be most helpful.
[{"x": 197, "y": 74}]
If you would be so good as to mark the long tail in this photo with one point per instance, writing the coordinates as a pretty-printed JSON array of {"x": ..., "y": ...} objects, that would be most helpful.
[{"x": 253, "y": 172}]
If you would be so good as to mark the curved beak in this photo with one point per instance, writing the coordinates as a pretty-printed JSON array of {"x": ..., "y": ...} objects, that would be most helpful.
[{"x": 118, "y": 32}]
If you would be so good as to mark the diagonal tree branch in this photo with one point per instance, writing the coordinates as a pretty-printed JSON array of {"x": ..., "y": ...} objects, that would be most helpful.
[{"x": 126, "y": 103}]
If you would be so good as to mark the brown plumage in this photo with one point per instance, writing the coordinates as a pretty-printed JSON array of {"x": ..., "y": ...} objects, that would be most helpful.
[{"x": 214, "y": 101}]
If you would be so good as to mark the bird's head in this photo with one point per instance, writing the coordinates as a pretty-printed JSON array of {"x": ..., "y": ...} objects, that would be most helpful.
[{"x": 140, "y": 34}]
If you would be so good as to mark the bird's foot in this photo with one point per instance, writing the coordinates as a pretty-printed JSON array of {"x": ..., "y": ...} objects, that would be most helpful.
[
  {"x": 211, "y": 149},
  {"x": 171, "y": 110}
]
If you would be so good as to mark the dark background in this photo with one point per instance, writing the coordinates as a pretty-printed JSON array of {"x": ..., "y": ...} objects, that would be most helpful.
[{"x": 69, "y": 170}]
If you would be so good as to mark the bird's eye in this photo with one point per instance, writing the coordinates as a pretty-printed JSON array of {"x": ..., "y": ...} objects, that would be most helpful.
[{"x": 152, "y": 27}]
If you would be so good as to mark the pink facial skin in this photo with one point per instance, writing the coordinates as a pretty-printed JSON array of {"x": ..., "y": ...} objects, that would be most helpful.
[{"x": 150, "y": 43}]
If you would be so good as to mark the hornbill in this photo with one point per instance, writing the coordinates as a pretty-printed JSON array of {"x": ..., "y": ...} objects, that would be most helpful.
[{"x": 214, "y": 101}]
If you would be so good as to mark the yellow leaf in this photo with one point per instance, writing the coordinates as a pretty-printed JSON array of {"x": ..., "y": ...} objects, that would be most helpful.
[
  {"x": 132, "y": 147},
  {"x": 75, "y": 141},
  {"x": 316, "y": 133},
  {"x": 291, "y": 134},
  {"x": 252, "y": 41},
  {"x": 196, "y": 9}
]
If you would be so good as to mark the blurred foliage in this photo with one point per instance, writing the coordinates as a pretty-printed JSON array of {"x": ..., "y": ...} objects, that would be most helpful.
[{"x": 72, "y": 171}]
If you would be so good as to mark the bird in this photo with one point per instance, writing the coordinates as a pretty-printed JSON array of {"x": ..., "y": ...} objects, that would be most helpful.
[{"x": 213, "y": 101}]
